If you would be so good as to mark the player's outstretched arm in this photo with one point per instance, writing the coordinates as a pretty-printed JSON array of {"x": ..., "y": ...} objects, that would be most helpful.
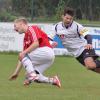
[
  {"x": 16, "y": 72},
  {"x": 52, "y": 42}
]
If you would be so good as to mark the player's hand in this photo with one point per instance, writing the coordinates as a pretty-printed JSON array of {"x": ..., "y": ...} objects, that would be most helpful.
[
  {"x": 54, "y": 44},
  {"x": 88, "y": 46},
  {"x": 21, "y": 55},
  {"x": 13, "y": 77}
]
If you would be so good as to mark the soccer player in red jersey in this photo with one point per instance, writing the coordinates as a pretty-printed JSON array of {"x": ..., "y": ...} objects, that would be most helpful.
[{"x": 37, "y": 54}]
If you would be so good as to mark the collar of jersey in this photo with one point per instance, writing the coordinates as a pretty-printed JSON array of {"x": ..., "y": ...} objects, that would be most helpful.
[{"x": 67, "y": 26}]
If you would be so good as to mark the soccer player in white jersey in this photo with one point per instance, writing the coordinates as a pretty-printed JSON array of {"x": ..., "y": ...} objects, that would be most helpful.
[
  {"x": 37, "y": 54},
  {"x": 76, "y": 40}
]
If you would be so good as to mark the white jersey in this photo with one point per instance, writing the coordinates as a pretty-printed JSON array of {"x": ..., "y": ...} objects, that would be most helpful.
[{"x": 72, "y": 37}]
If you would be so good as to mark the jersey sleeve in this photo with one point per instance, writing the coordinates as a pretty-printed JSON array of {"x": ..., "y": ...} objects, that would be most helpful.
[
  {"x": 38, "y": 32},
  {"x": 82, "y": 30},
  {"x": 35, "y": 32}
]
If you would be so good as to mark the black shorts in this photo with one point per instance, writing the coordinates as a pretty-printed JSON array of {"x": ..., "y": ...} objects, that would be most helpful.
[{"x": 85, "y": 54}]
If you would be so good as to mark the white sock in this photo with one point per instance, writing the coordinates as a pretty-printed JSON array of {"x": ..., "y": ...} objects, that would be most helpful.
[
  {"x": 27, "y": 64},
  {"x": 44, "y": 79}
]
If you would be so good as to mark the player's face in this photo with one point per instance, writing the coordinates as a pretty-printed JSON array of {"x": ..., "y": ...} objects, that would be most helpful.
[
  {"x": 67, "y": 19},
  {"x": 18, "y": 27}
]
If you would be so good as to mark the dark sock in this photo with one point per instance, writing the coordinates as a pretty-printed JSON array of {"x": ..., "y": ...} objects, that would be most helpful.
[
  {"x": 97, "y": 63},
  {"x": 37, "y": 72}
]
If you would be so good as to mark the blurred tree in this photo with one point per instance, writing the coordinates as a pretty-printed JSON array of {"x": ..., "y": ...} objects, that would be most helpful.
[
  {"x": 5, "y": 5},
  {"x": 90, "y": 10},
  {"x": 21, "y": 7},
  {"x": 86, "y": 9},
  {"x": 60, "y": 8},
  {"x": 78, "y": 13},
  {"x": 44, "y": 7}
]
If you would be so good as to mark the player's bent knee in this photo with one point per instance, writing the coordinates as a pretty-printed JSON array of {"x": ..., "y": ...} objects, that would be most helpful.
[
  {"x": 91, "y": 66},
  {"x": 89, "y": 63},
  {"x": 51, "y": 58}
]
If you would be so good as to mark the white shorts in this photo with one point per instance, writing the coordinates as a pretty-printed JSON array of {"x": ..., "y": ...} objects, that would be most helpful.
[{"x": 42, "y": 55}]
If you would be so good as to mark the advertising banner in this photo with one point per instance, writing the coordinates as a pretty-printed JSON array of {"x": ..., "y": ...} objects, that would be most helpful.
[{"x": 12, "y": 41}]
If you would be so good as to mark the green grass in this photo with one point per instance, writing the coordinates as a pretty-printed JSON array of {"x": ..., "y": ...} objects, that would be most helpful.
[{"x": 77, "y": 82}]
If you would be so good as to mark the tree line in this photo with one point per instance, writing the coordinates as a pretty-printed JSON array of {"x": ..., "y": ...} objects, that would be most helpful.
[{"x": 84, "y": 9}]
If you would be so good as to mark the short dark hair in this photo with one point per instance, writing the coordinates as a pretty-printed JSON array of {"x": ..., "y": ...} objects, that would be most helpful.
[{"x": 69, "y": 11}]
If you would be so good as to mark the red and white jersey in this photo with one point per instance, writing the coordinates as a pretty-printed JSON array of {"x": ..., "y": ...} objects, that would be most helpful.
[{"x": 33, "y": 34}]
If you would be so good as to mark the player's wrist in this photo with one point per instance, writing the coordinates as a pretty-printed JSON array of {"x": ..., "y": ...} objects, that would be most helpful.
[{"x": 24, "y": 52}]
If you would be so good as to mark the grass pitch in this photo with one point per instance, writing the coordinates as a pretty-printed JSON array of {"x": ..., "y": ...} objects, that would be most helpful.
[{"x": 77, "y": 82}]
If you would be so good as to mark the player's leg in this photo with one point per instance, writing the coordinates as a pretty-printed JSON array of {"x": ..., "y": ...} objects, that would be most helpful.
[
  {"x": 31, "y": 74},
  {"x": 42, "y": 58},
  {"x": 41, "y": 68},
  {"x": 89, "y": 60},
  {"x": 94, "y": 65},
  {"x": 97, "y": 69},
  {"x": 38, "y": 57},
  {"x": 90, "y": 63},
  {"x": 41, "y": 78},
  {"x": 50, "y": 80},
  {"x": 27, "y": 64}
]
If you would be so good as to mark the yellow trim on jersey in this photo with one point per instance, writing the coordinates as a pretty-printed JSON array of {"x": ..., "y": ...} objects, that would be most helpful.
[{"x": 83, "y": 31}]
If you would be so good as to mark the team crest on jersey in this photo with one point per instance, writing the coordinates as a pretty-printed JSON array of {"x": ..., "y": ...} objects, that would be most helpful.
[{"x": 62, "y": 36}]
